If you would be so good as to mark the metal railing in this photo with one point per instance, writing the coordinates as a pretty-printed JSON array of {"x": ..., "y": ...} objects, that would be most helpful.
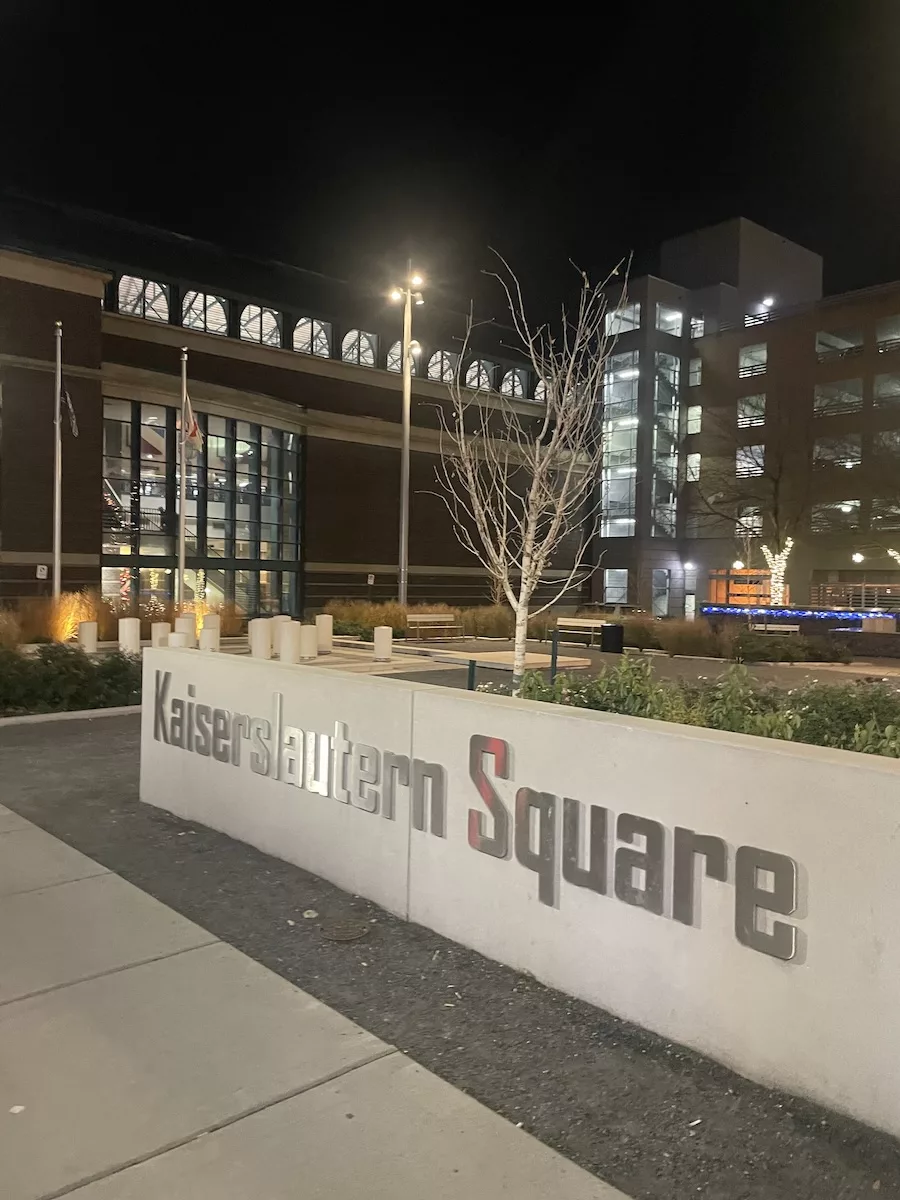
[
  {"x": 856, "y": 596},
  {"x": 888, "y": 345},
  {"x": 752, "y": 369},
  {"x": 824, "y": 356}
]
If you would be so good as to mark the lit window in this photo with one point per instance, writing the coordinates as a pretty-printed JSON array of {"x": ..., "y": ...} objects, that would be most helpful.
[
  {"x": 886, "y": 391},
  {"x": 751, "y": 410},
  {"x": 312, "y": 337},
  {"x": 395, "y": 357},
  {"x": 478, "y": 375},
  {"x": 623, "y": 320},
  {"x": 695, "y": 373},
  {"x": 442, "y": 366},
  {"x": 209, "y": 313},
  {"x": 830, "y": 399},
  {"x": 513, "y": 383},
  {"x": 540, "y": 391},
  {"x": 887, "y": 334},
  {"x": 749, "y": 523},
  {"x": 660, "y": 597},
  {"x": 885, "y": 514},
  {"x": 669, "y": 320},
  {"x": 143, "y": 298},
  {"x": 840, "y": 514},
  {"x": 615, "y": 585},
  {"x": 693, "y": 468},
  {"x": 844, "y": 344},
  {"x": 697, "y": 325},
  {"x": 261, "y": 325},
  {"x": 887, "y": 442},
  {"x": 359, "y": 348},
  {"x": 752, "y": 360},
  {"x": 621, "y": 378},
  {"x": 842, "y": 451},
  {"x": 694, "y": 418},
  {"x": 750, "y": 460}
]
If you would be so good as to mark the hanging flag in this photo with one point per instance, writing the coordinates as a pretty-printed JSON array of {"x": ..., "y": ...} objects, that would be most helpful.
[
  {"x": 193, "y": 438},
  {"x": 67, "y": 399}
]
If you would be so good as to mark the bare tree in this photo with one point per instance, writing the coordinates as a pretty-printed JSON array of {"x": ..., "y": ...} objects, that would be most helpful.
[{"x": 520, "y": 480}]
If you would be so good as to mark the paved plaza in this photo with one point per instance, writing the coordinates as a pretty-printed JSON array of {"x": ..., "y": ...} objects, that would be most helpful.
[
  {"x": 180, "y": 960},
  {"x": 142, "y": 1057}
]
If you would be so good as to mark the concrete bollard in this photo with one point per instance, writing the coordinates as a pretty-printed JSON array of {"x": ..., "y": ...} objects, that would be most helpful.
[
  {"x": 178, "y": 641},
  {"x": 384, "y": 637},
  {"x": 309, "y": 642},
  {"x": 87, "y": 636},
  {"x": 278, "y": 623},
  {"x": 159, "y": 633},
  {"x": 188, "y": 625},
  {"x": 325, "y": 630},
  {"x": 209, "y": 639},
  {"x": 259, "y": 636},
  {"x": 130, "y": 635},
  {"x": 213, "y": 621},
  {"x": 289, "y": 641}
]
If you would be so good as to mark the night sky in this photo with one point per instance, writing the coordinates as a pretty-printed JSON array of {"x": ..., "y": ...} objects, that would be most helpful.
[{"x": 341, "y": 139}]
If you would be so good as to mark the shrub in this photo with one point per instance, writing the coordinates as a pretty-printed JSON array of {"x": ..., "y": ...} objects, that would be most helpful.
[
  {"x": 10, "y": 629},
  {"x": 59, "y": 678},
  {"x": 859, "y": 716},
  {"x": 689, "y": 637},
  {"x": 748, "y": 645},
  {"x": 43, "y": 619}
]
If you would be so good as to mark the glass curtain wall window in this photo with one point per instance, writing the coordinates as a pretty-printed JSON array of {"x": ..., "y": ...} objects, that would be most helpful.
[
  {"x": 615, "y": 585},
  {"x": 669, "y": 320},
  {"x": 260, "y": 325},
  {"x": 619, "y": 464},
  {"x": 143, "y": 298},
  {"x": 442, "y": 366},
  {"x": 665, "y": 444},
  {"x": 242, "y": 515},
  {"x": 360, "y": 348},
  {"x": 623, "y": 320},
  {"x": 312, "y": 337}
]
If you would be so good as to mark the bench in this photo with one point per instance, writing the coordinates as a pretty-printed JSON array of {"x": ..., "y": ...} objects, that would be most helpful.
[
  {"x": 586, "y": 626},
  {"x": 439, "y": 624},
  {"x": 764, "y": 627}
]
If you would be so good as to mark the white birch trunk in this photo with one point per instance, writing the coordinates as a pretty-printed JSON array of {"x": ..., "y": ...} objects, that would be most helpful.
[{"x": 519, "y": 648}]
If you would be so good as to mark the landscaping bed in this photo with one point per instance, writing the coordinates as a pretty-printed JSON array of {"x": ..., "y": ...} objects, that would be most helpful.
[
  {"x": 58, "y": 678},
  {"x": 862, "y": 716}
]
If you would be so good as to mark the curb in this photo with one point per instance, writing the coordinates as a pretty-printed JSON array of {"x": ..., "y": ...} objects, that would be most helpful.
[{"x": 80, "y": 715}]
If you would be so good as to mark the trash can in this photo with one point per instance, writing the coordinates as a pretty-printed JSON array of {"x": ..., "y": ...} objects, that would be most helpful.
[{"x": 612, "y": 638}]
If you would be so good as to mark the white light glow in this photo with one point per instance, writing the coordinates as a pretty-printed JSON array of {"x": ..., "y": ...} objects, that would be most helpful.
[
  {"x": 768, "y": 301},
  {"x": 857, "y": 557},
  {"x": 846, "y": 508},
  {"x": 416, "y": 280},
  {"x": 628, "y": 373},
  {"x": 396, "y": 294},
  {"x": 689, "y": 566},
  {"x": 737, "y": 565}
]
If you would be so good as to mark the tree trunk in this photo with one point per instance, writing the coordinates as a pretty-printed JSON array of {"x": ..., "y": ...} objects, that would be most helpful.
[{"x": 519, "y": 648}]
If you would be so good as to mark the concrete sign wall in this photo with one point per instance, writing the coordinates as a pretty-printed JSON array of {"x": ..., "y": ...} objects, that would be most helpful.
[{"x": 735, "y": 894}]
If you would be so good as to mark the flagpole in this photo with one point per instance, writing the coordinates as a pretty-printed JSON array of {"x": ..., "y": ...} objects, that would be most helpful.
[
  {"x": 182, "y": 487},
  {"x": 57, "y": 468}
]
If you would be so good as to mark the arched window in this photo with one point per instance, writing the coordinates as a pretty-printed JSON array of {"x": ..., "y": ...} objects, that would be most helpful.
[
  {"x": 442, "y": 366},
  {"x": 143, "y": 298},
  {"x": 395, "y": 357},
  {"x": 540, "y": 391},
  {"x": 359, "y": 347},
  {"x": 261, "y": 325},
  {"x": 209, "y": 313},
  {"x": 313, "y": 337},
  {"x": 478, "y": 375},
  {"x": 513, "y": 383}
]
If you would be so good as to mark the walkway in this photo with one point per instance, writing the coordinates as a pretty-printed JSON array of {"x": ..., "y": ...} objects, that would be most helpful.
[{"x": 141, "y": 1057}]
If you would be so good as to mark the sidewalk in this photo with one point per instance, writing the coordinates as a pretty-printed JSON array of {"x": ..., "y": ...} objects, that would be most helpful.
[{"x": 141, "y": 1057}]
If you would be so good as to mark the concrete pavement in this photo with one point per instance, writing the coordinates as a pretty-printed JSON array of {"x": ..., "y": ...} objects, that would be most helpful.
[{"x": 142, "y": 1057}]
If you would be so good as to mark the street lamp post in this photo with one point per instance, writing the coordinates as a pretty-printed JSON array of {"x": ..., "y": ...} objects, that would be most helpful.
[{"x": 409, "y": 297}]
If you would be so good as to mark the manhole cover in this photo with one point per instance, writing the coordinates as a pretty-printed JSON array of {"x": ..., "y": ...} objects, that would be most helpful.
[{"x": 344, "y": 929}]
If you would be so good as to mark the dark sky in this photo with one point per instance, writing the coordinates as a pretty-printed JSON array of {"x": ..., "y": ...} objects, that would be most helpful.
[{"x": 341, "y": 139}]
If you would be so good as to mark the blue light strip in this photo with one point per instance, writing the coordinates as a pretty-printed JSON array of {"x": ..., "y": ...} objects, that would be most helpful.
[{"x": 819, "y": 614}]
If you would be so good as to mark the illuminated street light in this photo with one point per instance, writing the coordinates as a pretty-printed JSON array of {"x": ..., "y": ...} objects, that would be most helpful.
[
  {"x": 688, "y": 566},
  {"x": 768, "y": 301},
  {"x": 857, "y": 557},
  {"x": 407, "y": 350},
  {"x": 737, "y": 565}
]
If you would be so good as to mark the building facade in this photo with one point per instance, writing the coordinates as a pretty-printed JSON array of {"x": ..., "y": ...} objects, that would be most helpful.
[
  {"x": 294, "y": 498},
  {"x": 745, "y": 410}
]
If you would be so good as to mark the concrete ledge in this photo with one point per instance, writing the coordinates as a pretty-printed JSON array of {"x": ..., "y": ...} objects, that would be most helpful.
[{"x": 79, "y": 715}]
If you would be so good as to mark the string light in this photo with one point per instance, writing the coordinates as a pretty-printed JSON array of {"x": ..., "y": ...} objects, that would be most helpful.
[
  {"x": 818, "y": 614},
  {"x": 895, "y": 555},
  {"x": 777, "y": 563}
]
